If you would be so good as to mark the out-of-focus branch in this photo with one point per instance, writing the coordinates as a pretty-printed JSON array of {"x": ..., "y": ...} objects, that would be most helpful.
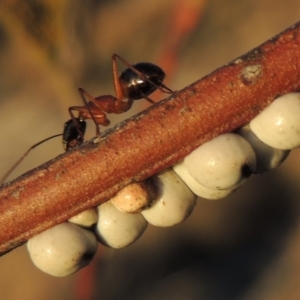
[{"x": 149, "y": 142}]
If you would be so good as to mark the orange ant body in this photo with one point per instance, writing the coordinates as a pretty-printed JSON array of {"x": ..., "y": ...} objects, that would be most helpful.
[{"x": 136, "y": 82}]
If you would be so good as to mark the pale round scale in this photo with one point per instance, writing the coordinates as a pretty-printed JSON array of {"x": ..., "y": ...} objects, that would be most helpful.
[
  {"x": 175, "y": 201},
  {"x": 279, "y": 124},
  {"x": 267, "y": 157},
  {"x": 86, "y": 218},
  {"x": 63, "y": 249},
  {"x": 117, "y": 229},
  {"x": 221, "y": 163},
  {"x": 197, "y": 188},
  {"x": 134, "y": 197}
]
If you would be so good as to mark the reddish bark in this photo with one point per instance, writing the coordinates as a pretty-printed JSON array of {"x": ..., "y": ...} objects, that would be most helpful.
[{"x": 149, "y": 142}]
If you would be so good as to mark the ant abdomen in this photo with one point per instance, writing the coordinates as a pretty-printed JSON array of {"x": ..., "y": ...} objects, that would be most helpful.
[{"x": 135, "y": 87}]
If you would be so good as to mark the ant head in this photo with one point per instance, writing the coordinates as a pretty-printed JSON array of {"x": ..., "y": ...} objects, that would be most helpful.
[
  {"x": 73, "y": 133},
  {"x": 136, "y": 86}
]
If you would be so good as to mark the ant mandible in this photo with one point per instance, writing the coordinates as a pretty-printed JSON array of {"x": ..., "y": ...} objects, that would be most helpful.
[{"x": 134, "y": 83}]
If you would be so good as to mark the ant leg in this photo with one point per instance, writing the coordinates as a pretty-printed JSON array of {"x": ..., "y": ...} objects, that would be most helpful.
[
  {"x": 84, "y": 94},
  {"x": 116, "y": 79},
  {"x": 97, "y": 113},
  {"x": 118, "y": 103},
  {"x": 117, "y": 82},
  {"x": 165, "y": 89},
  {"x": 149, "y": 99}
]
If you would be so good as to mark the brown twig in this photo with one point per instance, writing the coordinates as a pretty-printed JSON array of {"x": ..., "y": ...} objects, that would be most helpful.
[{"x": 149, "y": 142}]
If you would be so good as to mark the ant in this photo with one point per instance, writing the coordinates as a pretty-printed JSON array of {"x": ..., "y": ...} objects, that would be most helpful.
[{"x": 134, "y": 83}]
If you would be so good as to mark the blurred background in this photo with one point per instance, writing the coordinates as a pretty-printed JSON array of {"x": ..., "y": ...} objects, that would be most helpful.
[{"x": 246, "y": 246}]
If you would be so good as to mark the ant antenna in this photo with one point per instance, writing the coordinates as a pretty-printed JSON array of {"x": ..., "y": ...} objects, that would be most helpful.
[{"x": 4, "y": 177}]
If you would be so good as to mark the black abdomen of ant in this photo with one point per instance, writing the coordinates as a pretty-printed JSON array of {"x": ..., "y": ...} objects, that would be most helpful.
[{"x": 136, "y": 87}]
